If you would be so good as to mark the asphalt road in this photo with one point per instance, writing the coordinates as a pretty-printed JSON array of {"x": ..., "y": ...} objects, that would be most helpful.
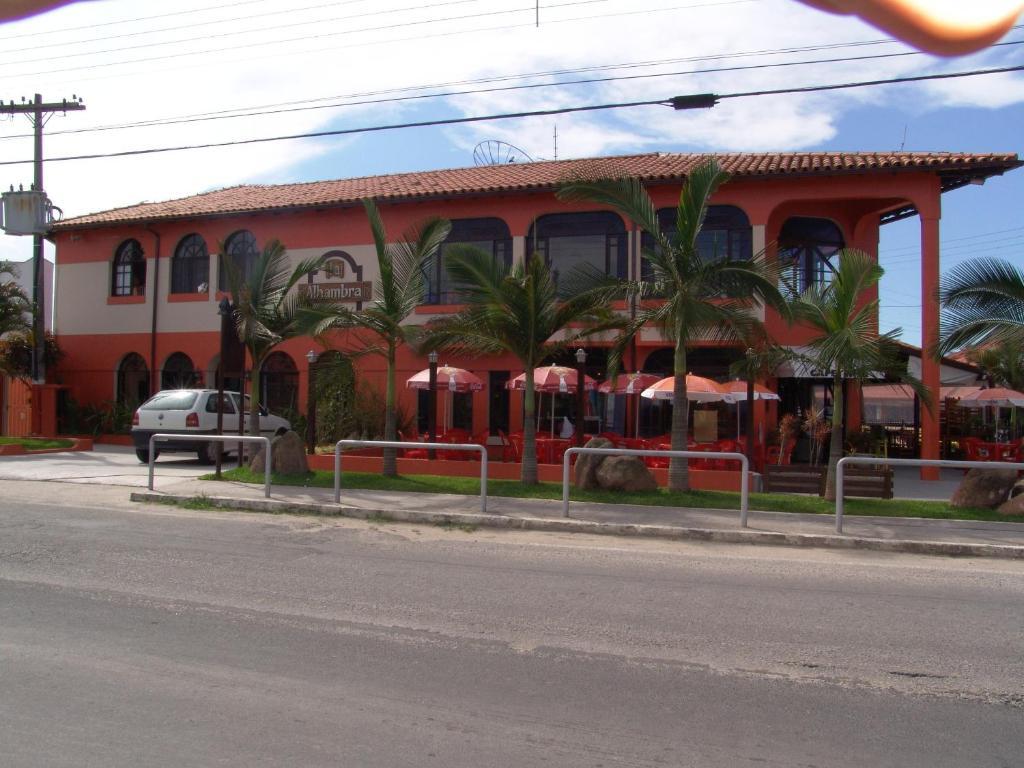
[{"x": 153, "y": 636}]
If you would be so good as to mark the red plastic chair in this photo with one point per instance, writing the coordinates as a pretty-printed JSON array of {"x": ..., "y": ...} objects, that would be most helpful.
[
  {"x": 412, "y": 453},
  {"x": 507, "y": 449},
  {"x": 774, "y": 452},
  {"x": 480, "y": 438},
  {"x": 727, "y": 446},
  {"x": 455, "y": 436},
  {"x": 975, "y": 449},
  {"x": 516, "y": 441}
]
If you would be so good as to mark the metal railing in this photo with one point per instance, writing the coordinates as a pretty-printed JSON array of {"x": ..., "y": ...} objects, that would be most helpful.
[
  {"x": 942, "y": 463},
  {"x": 482, "y": 450},
  {"x": 744, "y": 469},
  {"x": 185, "y": 437}
]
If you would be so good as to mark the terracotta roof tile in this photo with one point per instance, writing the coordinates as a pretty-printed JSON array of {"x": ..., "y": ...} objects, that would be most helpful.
[{"x": 522, "y": 177}]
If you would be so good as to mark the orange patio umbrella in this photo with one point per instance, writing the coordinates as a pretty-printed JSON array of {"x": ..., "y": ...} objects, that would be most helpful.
[{"x": 698, "y": 390}]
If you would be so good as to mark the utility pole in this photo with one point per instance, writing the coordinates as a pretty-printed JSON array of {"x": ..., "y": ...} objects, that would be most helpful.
[{"x": 38, "y": 112}]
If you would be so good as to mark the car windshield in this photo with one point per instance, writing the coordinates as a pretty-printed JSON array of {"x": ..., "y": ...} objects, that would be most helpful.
[{"x": 171, "y": 400}]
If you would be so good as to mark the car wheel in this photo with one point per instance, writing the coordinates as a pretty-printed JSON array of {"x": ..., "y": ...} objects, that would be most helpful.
[
  {"x": 208, "y": 453},
  {"x": 143, "y": 455}
]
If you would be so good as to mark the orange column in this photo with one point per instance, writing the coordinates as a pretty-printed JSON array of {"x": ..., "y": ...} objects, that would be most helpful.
[{"x": 930, "y": 438}]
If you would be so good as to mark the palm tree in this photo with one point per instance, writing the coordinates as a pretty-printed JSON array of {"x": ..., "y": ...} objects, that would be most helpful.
[
  {"x": 983, "y": 303},
  {"x": 1002, "y": 362},
  {"x": 396, "y": 294},
  {"x": 698, "y": 298},
  {"x": 848, "y": 344},
  {"x": 760, "y": 360},
  {"x": 518, "y": 310},
  {"x": 266, "y": 309},
  {"x": 15, "y": 306}
]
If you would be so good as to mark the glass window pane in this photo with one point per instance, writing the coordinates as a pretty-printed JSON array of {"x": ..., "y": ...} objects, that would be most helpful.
[{"x": 171, "y": 400}]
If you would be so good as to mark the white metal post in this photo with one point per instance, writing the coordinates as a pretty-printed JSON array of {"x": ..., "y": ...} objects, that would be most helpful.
[
  {"x": 942, "y": 463},
  {"x": 729, "y": 455},
  {"x": 482, "y": 450}
]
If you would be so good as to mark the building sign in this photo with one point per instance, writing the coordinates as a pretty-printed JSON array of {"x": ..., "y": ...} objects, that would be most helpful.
[{"x": 328, "y": 283}]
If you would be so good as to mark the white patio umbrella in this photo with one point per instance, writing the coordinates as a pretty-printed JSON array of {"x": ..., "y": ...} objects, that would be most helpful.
[
  {"x": 995, "y": 397},
  {"x": 738, "y": 392}
]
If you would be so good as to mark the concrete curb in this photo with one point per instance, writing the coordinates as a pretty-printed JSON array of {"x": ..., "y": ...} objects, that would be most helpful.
[{"x": 566, "y": 525}]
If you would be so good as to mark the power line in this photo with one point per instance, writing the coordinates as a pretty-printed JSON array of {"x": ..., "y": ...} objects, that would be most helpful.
[
  {"x": 233, "y": 20},
  {"x": 977, "y": 236},
  {"x": 260, "y": 109},
  {"x": 677, "y": 102},
  {"x": 273, "y": 28},
  {"x": 138, "y": 18},
  {"x": 499, "y": 89},
  {"x": 419, "y": 37},
  {"x": 305, "y": 38}
]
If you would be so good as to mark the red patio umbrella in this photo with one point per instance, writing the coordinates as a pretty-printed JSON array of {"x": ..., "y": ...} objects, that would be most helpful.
[
  {"x": 452, "y": 379},
  {"x": 999, "y": 397},
  {"x": 630, "y": 384},
  {"x": 553, "y": 379},
  {"x": 996, "y": 397},
  {"x": 449, "y": 379}
]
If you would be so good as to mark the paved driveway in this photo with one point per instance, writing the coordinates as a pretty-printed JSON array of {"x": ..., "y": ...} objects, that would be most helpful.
[{"x": 106, "y": 465}]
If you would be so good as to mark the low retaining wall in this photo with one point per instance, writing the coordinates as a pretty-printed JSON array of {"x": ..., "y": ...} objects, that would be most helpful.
[{"x": 357, "y": 461}]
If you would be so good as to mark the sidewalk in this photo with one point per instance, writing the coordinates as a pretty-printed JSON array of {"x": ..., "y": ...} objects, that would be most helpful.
[{"x": 949, "y": 537}]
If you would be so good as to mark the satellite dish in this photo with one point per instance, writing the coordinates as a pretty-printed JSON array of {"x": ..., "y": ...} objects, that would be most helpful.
[{"x": 495, "y": 152}]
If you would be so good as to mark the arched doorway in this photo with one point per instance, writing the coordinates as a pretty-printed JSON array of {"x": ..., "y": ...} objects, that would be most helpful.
[
  {"x": 132, "y": 380},
  {"x": 279, "y": 383},
  {"x": 178, "y": 372}
]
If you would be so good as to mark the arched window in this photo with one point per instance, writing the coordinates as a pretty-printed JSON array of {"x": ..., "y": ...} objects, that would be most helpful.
[
  {"x": 129, "y": 274},
  {"x": 725, "y": 234},
  {"x": 178, "y": 372},
  {"x": 807, "y": 250},
  {"x": 490, "y": 235},
  {"x": 132, "y": 381},
  {"x": 279, "y": 383},
  {"x": 190, "y": 266},
  {"x": 570, "y": 240},
  {"x": 241, "y": 247}
]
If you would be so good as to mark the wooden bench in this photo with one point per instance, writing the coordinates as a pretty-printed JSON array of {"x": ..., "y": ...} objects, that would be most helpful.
[
  {"x": 793, "y": 478},
  {"x": 867, "y": 481},
  {"x": 858, "y": 480}
]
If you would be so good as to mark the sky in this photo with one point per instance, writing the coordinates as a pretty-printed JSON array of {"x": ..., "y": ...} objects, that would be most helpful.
[{"x": 153, "y": 74}]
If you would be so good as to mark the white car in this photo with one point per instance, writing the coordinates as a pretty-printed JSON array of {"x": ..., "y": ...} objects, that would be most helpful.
[{"x": 194, "y": 412}]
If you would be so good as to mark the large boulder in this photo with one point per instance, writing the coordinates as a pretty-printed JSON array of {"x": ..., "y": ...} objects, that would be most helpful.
[
  {"x": 1012, "y": 506},
  {"x": 587, "y": 464},
  {"x": 289, "y": 452},
  {"x": 625, "y": 473},
  {"x": 984, "y": 488}
]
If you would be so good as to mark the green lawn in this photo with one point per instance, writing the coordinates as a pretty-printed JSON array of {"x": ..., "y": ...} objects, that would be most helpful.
[
  {"x": 777, "y": 502},
  {"x": 35, "y": 443}
]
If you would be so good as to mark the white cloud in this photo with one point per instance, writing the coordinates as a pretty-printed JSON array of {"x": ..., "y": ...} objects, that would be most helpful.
[{"x": 333, "y": 57}]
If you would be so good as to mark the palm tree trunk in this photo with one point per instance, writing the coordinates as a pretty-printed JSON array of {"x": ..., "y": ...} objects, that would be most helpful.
[
  {"x": 528, "y": 471},
  {"x": 749, "y": 448},
  {"x": 835, "y": 451},
  {"x": 679, "y": 469},
  {"x": 390, "y": 463},
  {"x": 255, "y": 393}
]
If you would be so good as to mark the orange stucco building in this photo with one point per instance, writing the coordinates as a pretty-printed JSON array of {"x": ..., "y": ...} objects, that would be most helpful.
[{"x": 138, "y": 287}]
